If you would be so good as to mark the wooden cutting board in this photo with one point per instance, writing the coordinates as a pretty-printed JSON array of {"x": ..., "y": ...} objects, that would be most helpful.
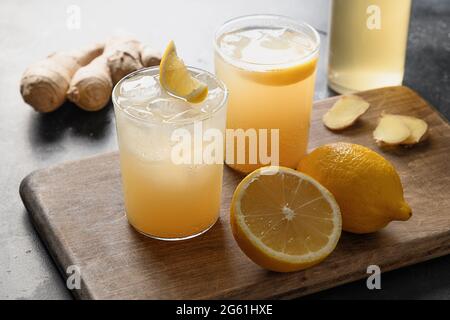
[{"x": 78, "y": 210}]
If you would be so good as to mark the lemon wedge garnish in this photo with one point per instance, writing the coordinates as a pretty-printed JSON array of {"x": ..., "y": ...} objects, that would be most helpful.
[
  {"x": 177, "y": 80},
  {"x": 284, "y": 220}
]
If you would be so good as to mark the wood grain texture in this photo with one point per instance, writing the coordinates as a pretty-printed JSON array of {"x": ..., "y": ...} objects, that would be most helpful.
[{"x": 77, "y": 209}]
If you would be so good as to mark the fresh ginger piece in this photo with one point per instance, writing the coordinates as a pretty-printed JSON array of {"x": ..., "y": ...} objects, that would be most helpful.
[
  {"x": 44, "y": 84},
  {"x": 123, "y": 56},
  {"x": 345, "y": 112},
  {"x": 149, "y": 56},
  {"x": 391, "y": 130},
  {"x": 418, "y": 128},
  {"x": 396, "y": 129},
  {"x": 91, "y": 86}
]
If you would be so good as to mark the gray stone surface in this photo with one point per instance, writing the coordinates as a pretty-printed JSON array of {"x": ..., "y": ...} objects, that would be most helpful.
[{"x": 30, "y": 30}]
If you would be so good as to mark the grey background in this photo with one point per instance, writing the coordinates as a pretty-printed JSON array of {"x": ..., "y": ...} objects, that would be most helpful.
[{"x": 29, "y": 30}]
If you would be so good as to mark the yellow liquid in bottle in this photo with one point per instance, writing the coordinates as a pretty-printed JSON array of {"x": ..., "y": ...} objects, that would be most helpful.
[{"x": 367, "y": 44}]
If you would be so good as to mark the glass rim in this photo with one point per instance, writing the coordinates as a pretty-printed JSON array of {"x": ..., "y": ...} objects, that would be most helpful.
[
  {"x": 274, "y": 17},
  {"x": 204, "y": 117}
]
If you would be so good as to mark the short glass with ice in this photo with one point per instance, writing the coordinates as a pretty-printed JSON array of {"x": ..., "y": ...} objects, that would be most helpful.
[{"x": 169, "y": 194}]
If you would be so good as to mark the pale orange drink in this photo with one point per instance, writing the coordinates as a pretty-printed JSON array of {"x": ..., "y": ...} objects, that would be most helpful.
[
  {"x": 166, "y": 199},
  {"x": 268, "y": 64}
]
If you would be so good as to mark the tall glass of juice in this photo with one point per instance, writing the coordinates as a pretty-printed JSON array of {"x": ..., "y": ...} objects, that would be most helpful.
[
  {"x": 268, "y": 63},
  {"x": 165, "y": 198},
  {"x": 368, "y": 41}
]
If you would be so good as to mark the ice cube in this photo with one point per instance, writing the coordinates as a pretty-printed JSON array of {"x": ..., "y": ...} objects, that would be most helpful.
[
  {"x": 171, "y": 109},
  {"x": 137, "y": 112},
  {"x": 206, "y": 78},
  {"x": 140, "y": 89},
  {"x": 213, "y": 100}
]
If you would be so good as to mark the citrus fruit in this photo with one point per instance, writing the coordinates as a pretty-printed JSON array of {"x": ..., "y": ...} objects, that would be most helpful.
[
  {"x": 176, "y": 79},
  {"x": 366, "y": 186},
  {"x": 284, "y": 220}
]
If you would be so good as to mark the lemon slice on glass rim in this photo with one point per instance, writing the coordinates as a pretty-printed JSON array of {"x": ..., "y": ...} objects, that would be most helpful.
[{"x": 177, "y": 80}]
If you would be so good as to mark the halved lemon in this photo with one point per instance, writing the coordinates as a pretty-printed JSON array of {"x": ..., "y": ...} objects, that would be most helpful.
[
  {"x": 176, "y": 79},
  {"x": 284, "y": 220}
]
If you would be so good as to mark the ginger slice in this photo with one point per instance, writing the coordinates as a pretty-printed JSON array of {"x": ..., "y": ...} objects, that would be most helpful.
[
  {"x": 398, "y": 129},
  {"x": 345, "y": 112},
  {"x": 418, "y": 128},
  {"x": 391, "y": 130}
]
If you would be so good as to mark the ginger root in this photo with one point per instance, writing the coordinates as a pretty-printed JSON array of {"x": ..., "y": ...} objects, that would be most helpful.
[
  {"x": 396, "y": 129},
  {"x": 91, "y": 86},
  {"x": 123, "y": 57},
  {"x": 345, "y": 112},
  {"x": 149, "y": 56},
  {"x": 85, "y": 77},
  {"x": 45, "y": 83}
]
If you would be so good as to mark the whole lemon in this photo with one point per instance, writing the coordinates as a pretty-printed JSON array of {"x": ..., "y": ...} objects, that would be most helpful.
[{"x": 366, "y": 186}]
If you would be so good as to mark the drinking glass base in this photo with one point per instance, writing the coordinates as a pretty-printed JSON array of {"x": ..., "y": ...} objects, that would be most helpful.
[{"x": 174, "y": 239}]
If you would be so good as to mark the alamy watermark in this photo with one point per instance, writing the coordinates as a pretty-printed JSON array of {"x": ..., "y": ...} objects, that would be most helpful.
[
  {"x": 236, "y": 146},
  {"x": 373, "y": 21},
  {"x": 73, "y": 21},
  {"x": 73, "y": 281},
  {"x": 374, "y": 280}
]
